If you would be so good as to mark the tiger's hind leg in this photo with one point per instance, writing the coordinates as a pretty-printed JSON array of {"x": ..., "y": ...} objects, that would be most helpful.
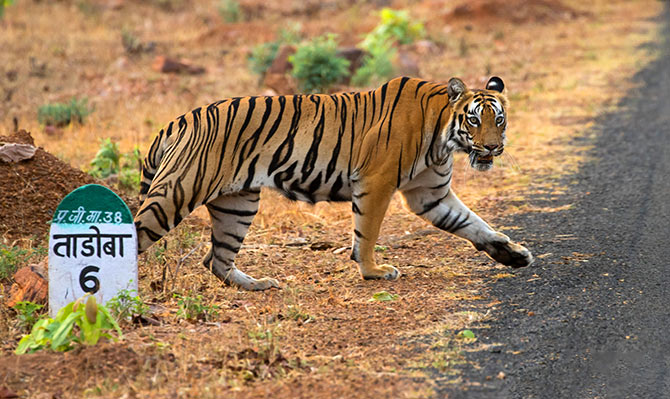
[{"x": 231, "y": 217}]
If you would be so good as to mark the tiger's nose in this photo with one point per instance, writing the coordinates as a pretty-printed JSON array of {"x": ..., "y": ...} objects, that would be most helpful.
[{"x": 491, "y": 147}]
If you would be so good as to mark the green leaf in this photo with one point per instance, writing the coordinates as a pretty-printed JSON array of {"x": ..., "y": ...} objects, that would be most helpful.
[
  {"x": 383, "y": 296},
  {"x": 466, "y": 334},
  {"x": 60, "y": 336}
]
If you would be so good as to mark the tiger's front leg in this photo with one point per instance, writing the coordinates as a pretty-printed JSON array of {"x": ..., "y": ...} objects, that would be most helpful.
[
  {"x": 369, "y": 204},
  {"x": 448, "y": 213}
]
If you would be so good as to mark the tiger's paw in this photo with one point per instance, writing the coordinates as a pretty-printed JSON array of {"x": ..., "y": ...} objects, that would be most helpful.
[
  {"x": 237, "y": 278},
  {"x": 381, "y": 272},
  {"x": 509, "y": 253}
]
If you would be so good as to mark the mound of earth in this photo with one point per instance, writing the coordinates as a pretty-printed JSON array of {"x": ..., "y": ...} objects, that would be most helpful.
[
  {"x": 33, "y": 188},
  {"x": 516, "y": 11}
]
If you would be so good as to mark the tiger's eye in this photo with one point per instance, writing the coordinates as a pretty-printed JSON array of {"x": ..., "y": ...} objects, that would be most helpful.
[
  {"x": 473, "y": 121},
  {"x": 499, "y": 120}
]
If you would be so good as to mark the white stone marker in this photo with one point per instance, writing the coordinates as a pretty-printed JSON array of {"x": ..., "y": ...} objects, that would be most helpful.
[{"x": 92, "y": 247}]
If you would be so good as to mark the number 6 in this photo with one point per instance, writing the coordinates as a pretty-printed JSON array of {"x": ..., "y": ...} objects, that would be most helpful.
[{"x": 85, "y": 277}]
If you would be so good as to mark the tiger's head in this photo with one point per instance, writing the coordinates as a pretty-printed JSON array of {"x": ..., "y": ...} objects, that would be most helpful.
[{"x": 480, "y": 121}]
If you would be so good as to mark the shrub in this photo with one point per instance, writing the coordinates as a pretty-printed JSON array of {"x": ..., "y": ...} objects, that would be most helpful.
[
  {"x": 377, "y": 65},
  {"x": 230, "y": 10},
  {"x": 109, "y": 161},
  {"x": 62, "y": 114},
  {"x": 3, "y": 4},
  {"x": 316, "y": 65},
  {"x": 395, "y": 27}
]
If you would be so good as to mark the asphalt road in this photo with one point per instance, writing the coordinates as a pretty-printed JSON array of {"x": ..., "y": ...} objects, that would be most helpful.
[{"x": 591, "y": 319}]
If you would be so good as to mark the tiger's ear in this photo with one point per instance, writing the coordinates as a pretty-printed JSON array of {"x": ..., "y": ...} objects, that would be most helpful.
[
  {"x": 495, "y": 84},
  {"x": 455, "y": 88}
]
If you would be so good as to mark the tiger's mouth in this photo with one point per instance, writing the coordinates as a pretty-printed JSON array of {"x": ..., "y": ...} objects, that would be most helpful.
[{"x": 480, "y": 161}]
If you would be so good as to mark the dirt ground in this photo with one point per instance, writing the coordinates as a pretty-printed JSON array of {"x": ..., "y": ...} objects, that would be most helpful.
[{"x": 321, "y": 335}]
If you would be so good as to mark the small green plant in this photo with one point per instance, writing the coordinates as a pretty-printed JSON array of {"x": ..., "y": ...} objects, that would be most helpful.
[
  {"x": 466, "y": 334},
  {"x": 76, "y": 323},
  {"x": 384, "y": 296},
  {"x": 295, "y": 312},
  {"x": 109, "y": 161},
  {"x": 124, "y": 306},
  {"x": 230, "y": 11},
  {"x": 395, "y": 26},
  {"x": 129, "y": 175},
  {"x": 381, "y": 248},
  {"x": 12, "y": 257},
  {"x": 62, "y": 114},
  {"x": 191, "y": 308},
  {"x": 130, "y": 42},
  {"x": 26, "y": 313},
  {"x": 316, "y": 64},
  {"x": 265, "y": 343}
]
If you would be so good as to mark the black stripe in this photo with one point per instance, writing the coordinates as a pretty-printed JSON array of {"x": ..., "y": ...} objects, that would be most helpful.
[
  {"x": 221, "y": 244},
  {"x": 431, "y": 205},
  {"x": 277, "y": 122},
  {"x": 234, "y": 237},
  {"x": 250, "y": 145},
  {"x": 355, "y": 208},
  {"x": 334, "y": 195},
  {"x": 313, "y": 152},
  {"x": 251, "y": 171},
  {"x": 332, "y": 164},
  {"x": 359, "y": 234},
  {"x": 403, "y": 81},
  {"x": 285, "y": 149},
  {"x": 236, "y": 212}
]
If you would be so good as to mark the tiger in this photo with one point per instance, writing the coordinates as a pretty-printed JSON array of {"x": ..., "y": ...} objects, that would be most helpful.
[{"x": 360, "y": 147}]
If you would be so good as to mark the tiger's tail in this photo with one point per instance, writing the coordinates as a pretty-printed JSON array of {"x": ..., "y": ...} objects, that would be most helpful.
[{"x": 152, "y": 161}]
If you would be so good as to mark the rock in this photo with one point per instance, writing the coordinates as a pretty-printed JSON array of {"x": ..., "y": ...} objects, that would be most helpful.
[
  {"x": 406, "y": 64},
  {"x": 30, "y": 284},
  {"x": 424, "y": 47},
  {"x": 171, "y": 65},
  {"x": 6, "y": 393},
  {"x": 281, "y": 64},
  {"x": 354, "y": 55},
  {"x": 14, "y": 152},
  {"x": 51, "y": 130},
  {"x": 281, "y": 83}
]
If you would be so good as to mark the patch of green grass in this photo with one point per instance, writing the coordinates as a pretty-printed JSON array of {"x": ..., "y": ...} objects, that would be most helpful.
[
  {"x": 62, "y": 114},
  {"x": 194, "y": 308},
  {"x": 124, "y": 306},
  {"x": 384, "y": 296}
]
